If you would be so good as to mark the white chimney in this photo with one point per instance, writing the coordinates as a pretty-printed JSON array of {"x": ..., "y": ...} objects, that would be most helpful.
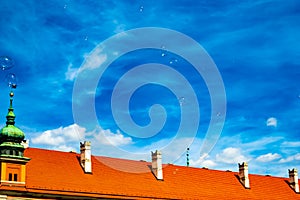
[
  {"x": 293, "y": 174},
  {"x": 243, "y": 175},
  {"x": 85, "y": 156},
  {"x": 25, "y": 143},
  {"x": 157, "y": 165}
]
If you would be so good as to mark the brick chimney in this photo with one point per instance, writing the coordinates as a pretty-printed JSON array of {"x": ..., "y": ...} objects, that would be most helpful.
[
  {"x": 157, "y": 165},
  {"x": 85, "y": 156},
  {"x": 243, "y": 175},
  {"x": 293, "y": 174}
]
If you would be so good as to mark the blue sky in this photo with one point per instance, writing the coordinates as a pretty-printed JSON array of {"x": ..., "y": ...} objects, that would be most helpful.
[{"x": 254, "y": 47}]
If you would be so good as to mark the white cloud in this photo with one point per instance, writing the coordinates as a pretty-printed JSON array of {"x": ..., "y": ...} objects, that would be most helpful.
[
  {"x": 94, "y": 59},
  {"x": 68, "y": 138},
  {"x": 208, "y": 163},
  {"x": 291, "y": 144},
  {"x": 120, "y": 28},
  {"x": 107, "y": 137},
  {"x": 231, "y": 155},
  {"x": 65, "y": 148},
  {"x": 49, "y": 138},
  {"x": 268, "y": 157},
  {"x": 200, "y": 160},
  {"x": 203, "y": 161},
  {"x": 295, "y": 157},
  {"x": 60, "y": 135},
  {"x": 272, "y": 121},
  {"x": 261, "y": 143},
  {"x": 71, "y": 73}
]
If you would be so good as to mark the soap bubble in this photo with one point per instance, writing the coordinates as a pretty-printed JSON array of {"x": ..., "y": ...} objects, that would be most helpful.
[
  {"x": 6, "y": 63},
  {"x": 11, "y": 80},
  {"x": 141, "y": 8},
  {"x": 173, "y": 61},
  {"x": 163, "y": 51},
  {"x": 181, "y": 100}
]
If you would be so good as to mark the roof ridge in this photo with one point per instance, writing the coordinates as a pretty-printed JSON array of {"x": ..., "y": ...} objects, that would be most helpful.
[
  {"x": 117, "y": 158},
  {"x": 55, "y": 150}
]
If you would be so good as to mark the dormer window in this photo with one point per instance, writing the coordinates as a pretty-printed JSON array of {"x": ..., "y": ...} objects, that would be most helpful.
[
  {"x": 13, "y": 172},
  {"x": 12, "y": 177}
]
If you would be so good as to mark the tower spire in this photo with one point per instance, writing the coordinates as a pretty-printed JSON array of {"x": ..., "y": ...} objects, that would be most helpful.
[
  {"x": 10, "y": 117},
  {"x": 10, "y": 135}
]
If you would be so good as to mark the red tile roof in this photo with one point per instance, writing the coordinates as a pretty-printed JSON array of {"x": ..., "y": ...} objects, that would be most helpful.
[{"x": 55, "y": 172}]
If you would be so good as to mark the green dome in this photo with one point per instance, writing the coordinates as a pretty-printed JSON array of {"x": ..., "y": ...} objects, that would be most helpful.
[{"x": 10, "y": 133}]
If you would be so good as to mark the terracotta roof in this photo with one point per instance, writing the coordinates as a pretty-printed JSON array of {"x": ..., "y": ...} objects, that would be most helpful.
[{"x": 55, "y": 172}]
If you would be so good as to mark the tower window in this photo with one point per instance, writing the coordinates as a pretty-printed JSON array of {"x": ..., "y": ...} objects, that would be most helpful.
[
  {"x": 10, "y": 176},
  {"x": 15, "y": 177},
  {"x": 13, "y": 172}
]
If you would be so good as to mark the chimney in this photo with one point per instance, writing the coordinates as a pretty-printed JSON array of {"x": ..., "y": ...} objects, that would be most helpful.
[
  {"x": 85, "y": 156},
  {"x": 25, "y": 143},
  {"x": 293, "y": 174},
  {"x": 157, "y": 165},
  {"x": 243, "y": 175}
]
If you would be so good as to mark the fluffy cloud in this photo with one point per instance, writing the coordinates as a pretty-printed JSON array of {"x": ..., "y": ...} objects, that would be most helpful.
[
  {"x": 272, "y": 121},
  {"x": 231, "y": 155},
  {"x": 268, "y": 157},
  {"x": 261, "y": 143},
  {"x": 203, "y": 161},
  {"x": 71, "y": 73},
  {"x": 49, "y": 138},
  {"x": 65, "y": 148},
  {"x": 291, "y": 144},
  {"x": 208, "y": 163},
  {"x": 107, "y": 137},
  {"x": 94, "y": 59},
  {"x": 60, "y": 135},
  {"x": 64, "y": 138},
  {"x": 295, "y": 157}
]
